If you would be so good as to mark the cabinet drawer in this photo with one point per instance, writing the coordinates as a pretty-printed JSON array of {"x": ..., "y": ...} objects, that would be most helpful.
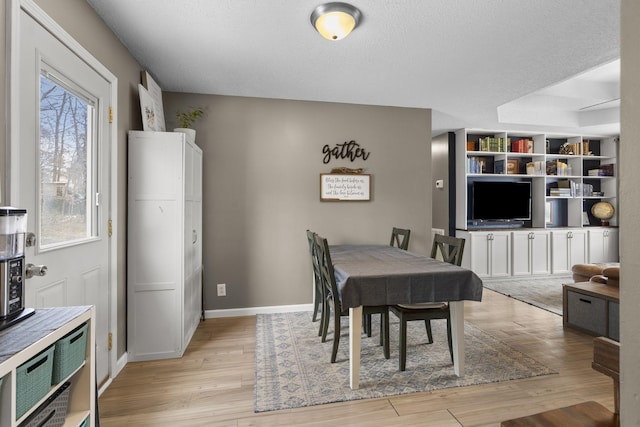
[
  {"x": 587, "y": 312},
  {"x": 614, "y": 320}
]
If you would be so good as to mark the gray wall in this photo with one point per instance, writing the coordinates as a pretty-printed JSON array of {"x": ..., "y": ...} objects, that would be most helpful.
[
  {"x": 629, "y": 206},
  {"x": 262, "y": 161},
  {"x": 440, "y": 169}
]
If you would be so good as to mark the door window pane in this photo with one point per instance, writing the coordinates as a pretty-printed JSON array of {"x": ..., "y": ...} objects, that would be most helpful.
[{"x": 66, "y": 183}]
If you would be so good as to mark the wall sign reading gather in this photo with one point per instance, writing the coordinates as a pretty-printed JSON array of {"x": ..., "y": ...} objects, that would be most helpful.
[
  {"x": 347, "y": 150},
  {"x": 351, "y": 187}
]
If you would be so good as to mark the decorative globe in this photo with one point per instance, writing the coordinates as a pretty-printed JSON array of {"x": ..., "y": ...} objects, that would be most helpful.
[{"x": 603, "y": 211}]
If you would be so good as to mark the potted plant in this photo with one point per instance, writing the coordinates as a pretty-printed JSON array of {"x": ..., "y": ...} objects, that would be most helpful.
[{"x": 186, "y": 119}]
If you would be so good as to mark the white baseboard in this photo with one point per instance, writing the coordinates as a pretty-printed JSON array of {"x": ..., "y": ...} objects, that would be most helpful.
[
  {"x": 120, "y": 364},
  {"x": 214, "y": 314},
  {"x": 252, "y": 311}
]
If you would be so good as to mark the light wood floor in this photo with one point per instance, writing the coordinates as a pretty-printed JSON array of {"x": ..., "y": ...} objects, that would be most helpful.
[{"x": 212, "y": 385}]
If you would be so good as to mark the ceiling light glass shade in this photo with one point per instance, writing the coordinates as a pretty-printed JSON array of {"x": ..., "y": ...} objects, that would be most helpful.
[{"x": 334, "y": 21}]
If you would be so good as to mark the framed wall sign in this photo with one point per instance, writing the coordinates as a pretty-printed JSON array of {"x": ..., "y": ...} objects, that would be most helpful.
[
  {"x": 347, "y": 187},
  {"x": 155, "y": 93},
  {"x": 148, "y": 110}
]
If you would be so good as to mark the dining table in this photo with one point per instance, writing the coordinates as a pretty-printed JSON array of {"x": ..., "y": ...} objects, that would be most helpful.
[{"x": 370, "y": 275}]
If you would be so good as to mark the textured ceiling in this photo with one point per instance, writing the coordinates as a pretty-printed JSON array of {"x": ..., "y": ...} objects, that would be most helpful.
[{"x": 461, "y": 58}]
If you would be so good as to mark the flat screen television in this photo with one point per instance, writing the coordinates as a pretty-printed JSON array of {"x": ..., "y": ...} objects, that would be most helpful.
[{"x": 500, "y": 200}]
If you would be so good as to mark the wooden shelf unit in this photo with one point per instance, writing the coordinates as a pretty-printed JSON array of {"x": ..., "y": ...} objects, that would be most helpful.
[{"x": 24, "y": 340}]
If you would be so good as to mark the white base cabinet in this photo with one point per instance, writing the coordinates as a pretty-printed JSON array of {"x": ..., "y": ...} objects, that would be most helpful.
[
  {"x": 488, "y": 254},
  {"x": 531, "y": 253},
  {"x": 568, "y": 247},
  {"x": 536, "y": 252},
  {"x": 603, "y": 245},
  {"x": 164, "y": 244}
]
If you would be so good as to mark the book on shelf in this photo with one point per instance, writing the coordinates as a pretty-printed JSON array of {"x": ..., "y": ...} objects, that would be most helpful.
[
  {"x": 522, "y": 145},
  {"x": 603, "y": 170},
  {"x": 557, "y": 168},
  {"x": 536, "y": 168},
  {"x": 491, "y": 144},
  {"x": 476, "y": 165},
  {"x": 608, "y": 169}
]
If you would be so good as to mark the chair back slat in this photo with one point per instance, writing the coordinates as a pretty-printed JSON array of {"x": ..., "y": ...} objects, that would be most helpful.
[
  {"x": 400, "y": 238},
  {"x": 314, "y": 256},
  {"x": 327, "y": 274},
  {"x": 450, "y": 248}
]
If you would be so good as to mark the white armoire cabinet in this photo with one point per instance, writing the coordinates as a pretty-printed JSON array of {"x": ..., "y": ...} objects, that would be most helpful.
[{"x": 164, "y": 271}]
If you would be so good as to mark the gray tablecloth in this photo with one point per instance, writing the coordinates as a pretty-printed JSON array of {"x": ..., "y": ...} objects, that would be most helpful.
[{"x": 385, "y": 275}]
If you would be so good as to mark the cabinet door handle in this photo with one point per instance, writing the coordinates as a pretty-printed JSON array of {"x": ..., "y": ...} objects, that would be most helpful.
[{"x": 585, "y": 300}]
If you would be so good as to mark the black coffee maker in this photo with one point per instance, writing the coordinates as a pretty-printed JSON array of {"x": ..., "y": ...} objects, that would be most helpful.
[{"x": 13, "y": 230}]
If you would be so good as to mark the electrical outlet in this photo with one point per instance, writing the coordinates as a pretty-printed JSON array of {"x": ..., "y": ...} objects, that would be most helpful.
[{"x": 222, "y": 290}]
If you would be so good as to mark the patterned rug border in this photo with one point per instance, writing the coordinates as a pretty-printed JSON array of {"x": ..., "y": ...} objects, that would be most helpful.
[{"x": 293, "y": 368}]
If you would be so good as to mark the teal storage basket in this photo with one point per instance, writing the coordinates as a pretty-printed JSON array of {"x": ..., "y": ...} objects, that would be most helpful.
[
  {"x": 69, "y": 354},
  {"x": 33, "y": 381},
  {"x": 85, "y": 423}
]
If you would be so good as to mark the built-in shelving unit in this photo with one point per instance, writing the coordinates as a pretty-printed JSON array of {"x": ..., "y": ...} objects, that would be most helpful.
[{"x": 567, "y": 174}]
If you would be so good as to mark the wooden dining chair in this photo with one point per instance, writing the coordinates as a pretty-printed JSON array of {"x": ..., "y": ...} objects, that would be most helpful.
[
  {"x": 332, "y": 304},
  {"x": 400, "y": 237},
  {"x": 451, "y": 250},
  {"x": 318, "y": 304}
]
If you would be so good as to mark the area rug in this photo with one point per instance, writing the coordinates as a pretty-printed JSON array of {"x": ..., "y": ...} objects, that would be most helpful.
[
  {"x": 544, "y": 292},
  {"x": 293, "y": 366}
]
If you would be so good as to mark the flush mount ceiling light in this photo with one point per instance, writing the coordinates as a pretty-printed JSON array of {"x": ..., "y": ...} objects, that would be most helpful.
[{"x": 334, "y": 21}]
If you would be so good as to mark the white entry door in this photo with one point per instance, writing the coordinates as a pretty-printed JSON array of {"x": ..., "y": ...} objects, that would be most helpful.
[{"x": 62, "y": 170}]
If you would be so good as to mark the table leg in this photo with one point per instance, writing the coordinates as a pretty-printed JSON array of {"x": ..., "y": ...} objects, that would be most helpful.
[
  {"x": 355, "y": 330},
  {"x": 457, "y": 330}
]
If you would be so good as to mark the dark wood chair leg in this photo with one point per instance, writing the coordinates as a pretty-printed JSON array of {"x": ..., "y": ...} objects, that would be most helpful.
[
  {"x": 325, "y": 321},
  {"x": 427, "y": 325},
  {"x": 367, "y": 324},
  {"x": 336, "y": 337},
  {"x": 450, "y": 341},
  {"x": 384, "y": 334},
  {"x": 316, "y": 304},
  {"x": 403, "y": 343}
]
